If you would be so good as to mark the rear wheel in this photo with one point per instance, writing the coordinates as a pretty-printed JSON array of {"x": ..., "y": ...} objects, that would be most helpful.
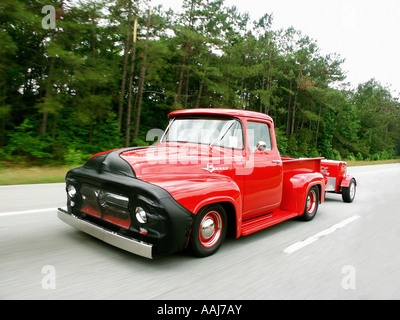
[
  {"x": 349, "y": 193},
  {"x": 209, "y": 230},
  {"x": 312, "y": 202}
]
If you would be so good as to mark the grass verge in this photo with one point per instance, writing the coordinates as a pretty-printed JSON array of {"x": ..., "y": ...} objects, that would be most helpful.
[
  {"x": 369, "y": 163},
  {"x": 34, "y": 175}
]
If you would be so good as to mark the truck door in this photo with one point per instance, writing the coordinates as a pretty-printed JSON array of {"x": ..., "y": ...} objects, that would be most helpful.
[{"x": 263, "y": 184}]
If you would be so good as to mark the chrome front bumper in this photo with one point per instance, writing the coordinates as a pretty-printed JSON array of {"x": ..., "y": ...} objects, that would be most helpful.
[{"x": 128, "y": 244}]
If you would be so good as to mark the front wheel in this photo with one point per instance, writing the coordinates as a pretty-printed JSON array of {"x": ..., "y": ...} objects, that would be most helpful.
[
  {"x": 312, "y": 202},
  {"x": 349, "y": 193},
  {"x": 209, "y": 230}
]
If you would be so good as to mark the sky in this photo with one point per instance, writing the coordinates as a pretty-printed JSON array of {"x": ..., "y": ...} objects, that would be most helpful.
[{"x": 364, "y": 32}]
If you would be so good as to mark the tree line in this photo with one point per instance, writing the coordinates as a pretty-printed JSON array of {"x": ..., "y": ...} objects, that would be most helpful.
[{"x": 108, "y": 71}]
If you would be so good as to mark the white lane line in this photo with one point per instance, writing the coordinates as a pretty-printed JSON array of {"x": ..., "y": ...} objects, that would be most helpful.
[
  {"x": 301, "y": 244},
  {"x": 31, "y": 185},
  {"x": 14, "y": 213}
]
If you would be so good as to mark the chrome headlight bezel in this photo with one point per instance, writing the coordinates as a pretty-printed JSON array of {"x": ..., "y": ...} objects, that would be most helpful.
[
  {"x": 71, "y": 190},
  {"x": 141, "y": 215}
]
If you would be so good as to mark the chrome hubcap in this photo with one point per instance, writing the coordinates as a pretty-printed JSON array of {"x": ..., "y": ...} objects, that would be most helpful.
[
  {"x": 210, "y": 229},
  {"x": 311, "y": 201}
]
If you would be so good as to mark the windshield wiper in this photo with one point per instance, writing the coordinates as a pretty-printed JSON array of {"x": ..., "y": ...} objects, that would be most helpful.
[{"x": 223, "y": 133}]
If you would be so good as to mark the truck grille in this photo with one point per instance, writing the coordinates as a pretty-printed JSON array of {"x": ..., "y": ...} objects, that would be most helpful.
[{"x": 106, "y": 205}]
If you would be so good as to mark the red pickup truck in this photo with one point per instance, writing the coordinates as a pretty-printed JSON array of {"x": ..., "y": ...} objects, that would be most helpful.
[{"x": 213, "y": 172}]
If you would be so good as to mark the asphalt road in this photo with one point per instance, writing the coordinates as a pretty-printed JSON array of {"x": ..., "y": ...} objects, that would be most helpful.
[{"x": 349, "y": 251}]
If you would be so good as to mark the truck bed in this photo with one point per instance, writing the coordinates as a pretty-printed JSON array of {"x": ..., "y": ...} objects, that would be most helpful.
[
  {"x": 295, "y": 173},
  {"x": 301, "y": 165}
]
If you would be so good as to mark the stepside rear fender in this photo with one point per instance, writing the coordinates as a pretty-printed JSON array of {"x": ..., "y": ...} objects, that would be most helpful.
[{"x": 295, "y": 190}]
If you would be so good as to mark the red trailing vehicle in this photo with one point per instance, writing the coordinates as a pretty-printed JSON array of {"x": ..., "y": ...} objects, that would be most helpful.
[{"x": 214, "y": 172}]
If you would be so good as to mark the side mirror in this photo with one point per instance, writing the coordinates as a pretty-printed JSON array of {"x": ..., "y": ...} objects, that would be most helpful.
[{"x": 261, "y": 146}]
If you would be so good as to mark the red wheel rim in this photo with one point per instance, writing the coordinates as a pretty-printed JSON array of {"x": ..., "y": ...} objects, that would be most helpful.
[
  {"x": 210, "y": 229},
  {"x": 311, "y": 201}
]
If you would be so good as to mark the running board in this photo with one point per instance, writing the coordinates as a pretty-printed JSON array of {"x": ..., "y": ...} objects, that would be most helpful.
[{"x": 265, "y": 221}]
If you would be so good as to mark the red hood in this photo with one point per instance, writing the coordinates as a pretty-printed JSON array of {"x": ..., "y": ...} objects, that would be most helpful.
[
  {"x": 183, "y": 160},
  {"x": 186, "y": 171}
]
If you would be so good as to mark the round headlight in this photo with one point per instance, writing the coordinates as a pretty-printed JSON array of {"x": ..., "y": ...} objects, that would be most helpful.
[
  {"x": 141, "y": 215},
  {"x": 71, "y": 191}
]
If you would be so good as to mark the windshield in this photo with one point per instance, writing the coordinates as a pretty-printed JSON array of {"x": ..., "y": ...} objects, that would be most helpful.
[{"x": 223, "y": 132}]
